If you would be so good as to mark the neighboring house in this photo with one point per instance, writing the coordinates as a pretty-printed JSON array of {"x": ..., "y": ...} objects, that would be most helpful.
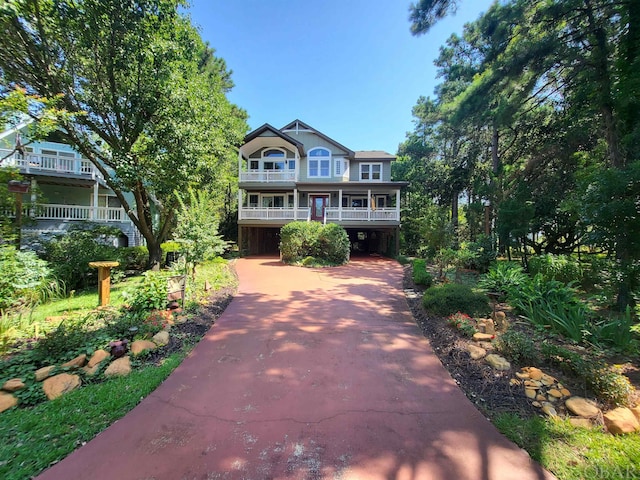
[
  {"x": 298, "y": 173},
  {"x": 65, "y": 190}
]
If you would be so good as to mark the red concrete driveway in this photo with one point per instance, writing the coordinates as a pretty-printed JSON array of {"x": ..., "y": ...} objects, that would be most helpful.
[{"x": 309, "y": 374}]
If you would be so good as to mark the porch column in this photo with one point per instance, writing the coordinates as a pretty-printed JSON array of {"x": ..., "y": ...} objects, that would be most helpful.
[
  {"x": 96, "y": 186},
  {"x": 34, "y": 197},
  {"x": 240, "y": 228},
  {"x": 239, "y": 204},
  {"x": 295, "y": 202},
  {"x": 398, "y": 204},
  {"x": 340, "y": 205},
  {"x": 297, "y": 170},
  {"x": 369, "y": 204}
]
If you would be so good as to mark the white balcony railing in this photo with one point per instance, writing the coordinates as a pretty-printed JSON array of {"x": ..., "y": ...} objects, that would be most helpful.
[
  {"x": 256, "y": 213},
  {"x": 269, "y": 176},
  {"x": 73, "y": 212},
  {"x": 332, "y": 214},
  {"x": 41, "y": 163},
  {"x": 336, "y": 214}
]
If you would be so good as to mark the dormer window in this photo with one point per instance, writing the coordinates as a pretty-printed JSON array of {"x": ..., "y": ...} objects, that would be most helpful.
[{"x": 319, "y": 160}]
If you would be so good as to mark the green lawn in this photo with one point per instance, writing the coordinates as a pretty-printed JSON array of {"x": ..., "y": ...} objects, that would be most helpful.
[{"x": 573, "y": 453}]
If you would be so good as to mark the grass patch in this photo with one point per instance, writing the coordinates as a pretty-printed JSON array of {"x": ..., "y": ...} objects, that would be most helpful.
[
  {"x": 574, "y": 453},
  {"x": 31, "y": 439}
]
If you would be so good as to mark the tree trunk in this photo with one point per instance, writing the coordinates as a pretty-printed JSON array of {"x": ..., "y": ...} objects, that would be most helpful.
[
  {"x": 454, "y": 218},
  {"x": 155, "y": 255}
]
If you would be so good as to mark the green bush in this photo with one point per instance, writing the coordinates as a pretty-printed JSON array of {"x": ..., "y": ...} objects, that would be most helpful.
[
  {"x": 483, "y": 252},
  {"x": 420, "y": 274},
  {"x": 449, "y": 298},
  {"x": 25, "y": 278},
  {"x": 326, "y": 243},
  {"x": 550, "y": 303},
  {"x": 610, "y": 386},
  {"x": 69, "y": 255},
  {"x": 518, "y": 347},
  {"x": 502, "y": 277},
  {"x": 150, "y": 294},
  {"x": 562, "y": 268},
  {"x": 133, "y": 258}
]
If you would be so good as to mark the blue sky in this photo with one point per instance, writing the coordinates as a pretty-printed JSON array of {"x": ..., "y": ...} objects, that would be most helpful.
[{"x": 349, "y": 68}]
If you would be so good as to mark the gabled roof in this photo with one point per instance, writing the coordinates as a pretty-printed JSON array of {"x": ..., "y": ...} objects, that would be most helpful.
[
  {"x": 260, "y": 131},
  {"x": 373, "y": 155},
  {"x": 298, "y": 124}
]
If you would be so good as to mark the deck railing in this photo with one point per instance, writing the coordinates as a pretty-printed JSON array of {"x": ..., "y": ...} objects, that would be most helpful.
[
  {"x": 269, "y": 176},
  {"x": 51, "y": 211},
  {"x": 274, "y": 213},
  {"x": 332, "y": 214},
  {"x": 42, "y": 163},
  {"x": 335, "y": 214}
]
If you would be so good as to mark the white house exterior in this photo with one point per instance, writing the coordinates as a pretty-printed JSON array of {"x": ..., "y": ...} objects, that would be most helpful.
[
  {"x": 298, "y": 173},
  {"x": 65, "y": 189}
]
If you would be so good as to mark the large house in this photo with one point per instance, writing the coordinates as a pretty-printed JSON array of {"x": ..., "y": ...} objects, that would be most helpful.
[
  {"x": 65, "y": 189},
  {"x": 298, "y": 173}
]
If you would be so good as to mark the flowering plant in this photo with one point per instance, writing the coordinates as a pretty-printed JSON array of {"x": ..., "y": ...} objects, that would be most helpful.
[{"x": 462, "y": 322}]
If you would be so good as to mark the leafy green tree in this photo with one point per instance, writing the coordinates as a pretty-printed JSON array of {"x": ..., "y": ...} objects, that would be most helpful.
[
  {"x": 197, "y": 229},
  {"x": 132, "y": 86}
]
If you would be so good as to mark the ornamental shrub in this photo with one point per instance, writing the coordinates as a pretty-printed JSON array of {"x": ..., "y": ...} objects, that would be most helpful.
[
  {"x": 562, "y": 268},
  {"x": 325, "y": 243},
  {"x": 420, "y": 274},
  {"x": 446, "y": 299},
  {"x": 69, "y": 254},
  {"x": 25, "y": 278}
]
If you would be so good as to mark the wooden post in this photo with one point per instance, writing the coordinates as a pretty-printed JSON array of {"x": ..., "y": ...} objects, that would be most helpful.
[{"x": 104, "y": 280}]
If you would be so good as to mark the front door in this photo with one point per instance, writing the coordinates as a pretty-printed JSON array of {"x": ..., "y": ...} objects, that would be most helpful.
[{"x": 318, "y": 204}]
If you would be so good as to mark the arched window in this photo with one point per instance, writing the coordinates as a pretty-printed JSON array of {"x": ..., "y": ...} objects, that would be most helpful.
[
  {"x": 319, "y": 160},
  {"x": 273, "y": 159}
]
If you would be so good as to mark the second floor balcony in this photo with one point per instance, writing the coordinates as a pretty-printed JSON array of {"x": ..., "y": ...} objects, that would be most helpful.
[
  {"x": 50, "y": 211},
  {"x": 269, "y": 176},
  {"x": 39, "y": 163}
]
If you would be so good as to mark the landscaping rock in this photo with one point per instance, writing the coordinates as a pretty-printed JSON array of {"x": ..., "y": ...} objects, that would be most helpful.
[
  {"x": 13, "y": 385},
  {"x": 500, "y": 320},
  {"x": 119, "y": 368},
  {"x": 59, "y": 384},
  {"x": 482, "y": 337},
  {"x": 620, "y": 421},
  {"x": 140, "y": 346},
  {"x": 580, "y": 422},
  {"x": 534, "y": 373},
  {"x": 161, "y": 338},
  {"x": 497, "y": 362},
  {"x": 90, "y": 371},
  {"x": 77, "y": 362},
  {"x": 636, "y": 412},
  {"x": 549, "y": 410},
  {"x": 98, "y": 357},
  {"x": 7, "y": 401},
  {"x": 180, "y": 319},
  {"x": 476, "y": 352},
  {"x": 485, "y": 325},
  {"x": 44, "y": 372},
  {"x": 582, "y": 407}
]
